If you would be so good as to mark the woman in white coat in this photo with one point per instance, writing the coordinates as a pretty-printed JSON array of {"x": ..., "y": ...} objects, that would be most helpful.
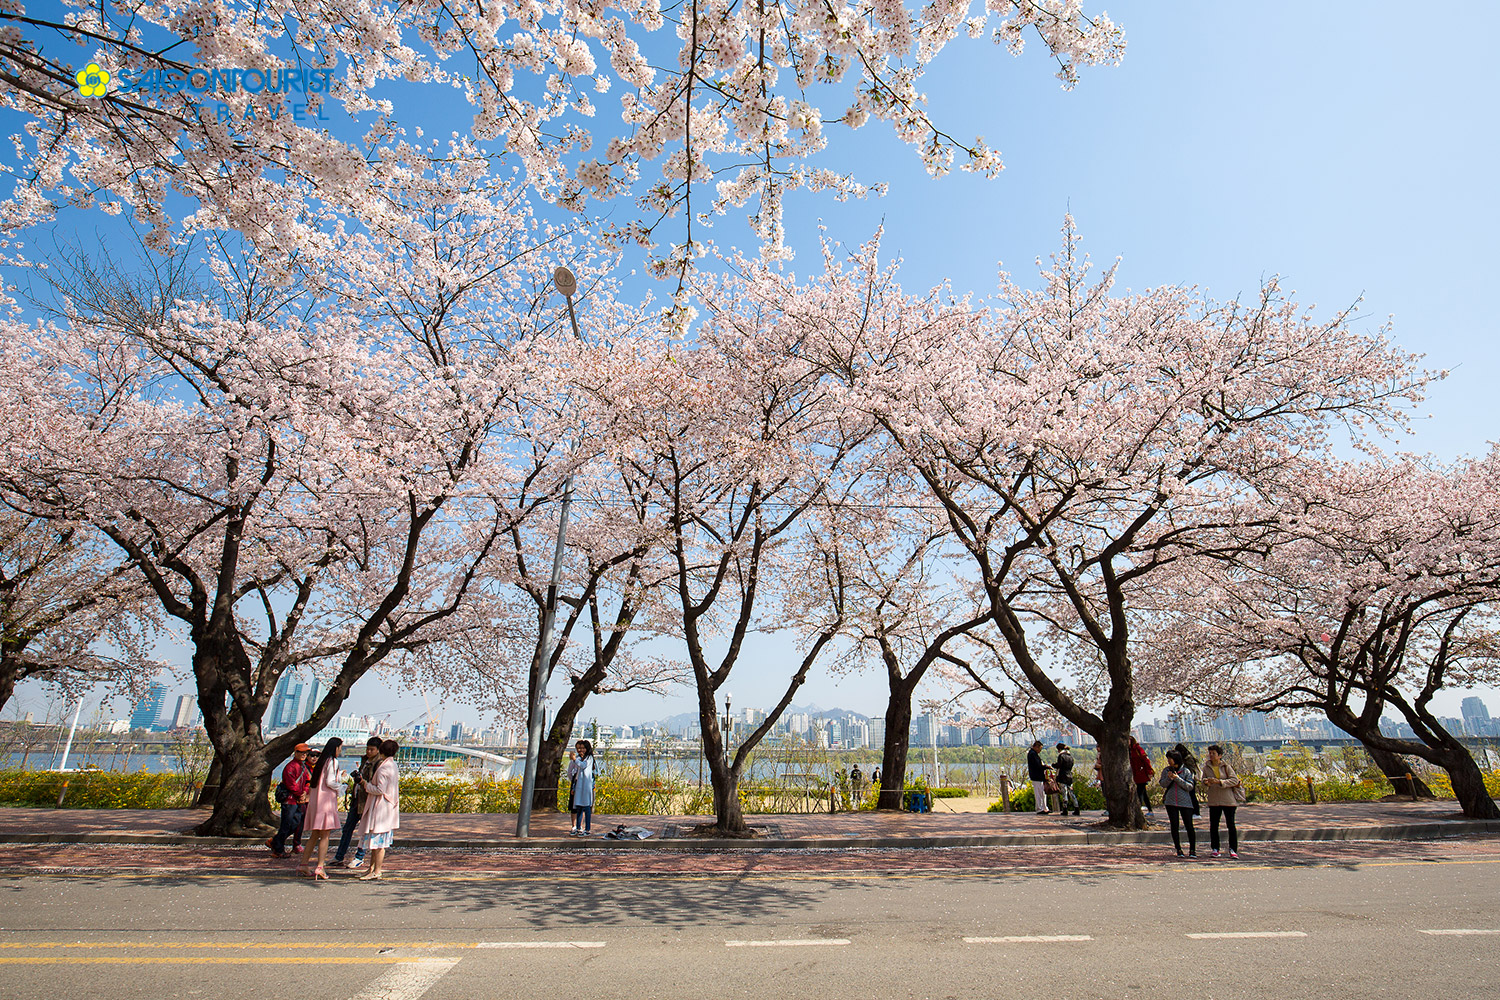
[{"x": 382, "y": 815}]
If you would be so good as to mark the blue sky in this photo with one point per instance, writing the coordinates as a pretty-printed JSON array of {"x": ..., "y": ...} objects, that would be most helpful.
[{"x": 1348, "y": 147}]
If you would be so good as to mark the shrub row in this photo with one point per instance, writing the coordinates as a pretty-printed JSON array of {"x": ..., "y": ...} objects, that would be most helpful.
[{"x": 94, "y": 789}]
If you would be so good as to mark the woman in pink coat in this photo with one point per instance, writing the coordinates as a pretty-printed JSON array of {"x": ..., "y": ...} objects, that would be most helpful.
[
  {"x": 321, "y": 817},
  {"x": 382, "y": 815}
]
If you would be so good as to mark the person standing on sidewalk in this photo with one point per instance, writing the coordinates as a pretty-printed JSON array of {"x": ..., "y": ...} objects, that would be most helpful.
[
  {"x": 322, "y": 815},
  {"x": 581, "y": 774},
  {"x": 1180, "y": 801},
  {"x": 364, "y": 772},
  {"x": 1142, "y": 771},
  {"x": 1036, "y": 773},
  {"x": 382, "y": 815},
  {"x": 1223, "y": 795},
  {"x": 291, "y": 792},
  {"x": 1065, "y": 780},
  {"x": 1189, "y": 760}
]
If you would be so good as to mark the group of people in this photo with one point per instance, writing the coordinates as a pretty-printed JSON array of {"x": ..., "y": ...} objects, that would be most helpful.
[
  {"x": 1180, "y": 781},
  {"x": 309, "y": 791},
  {"x": 1222, "y": 788},
  {"x": 1055, "y": 781}
]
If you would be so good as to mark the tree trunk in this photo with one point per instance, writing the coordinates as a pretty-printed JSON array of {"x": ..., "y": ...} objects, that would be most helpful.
[
  {"x": 209, "y": 793},
  {"x": 8, "y": 674},
  {"x": 1437, "y": 746},
  {"x": 1396, "y": 770},
  {"x": 242, "y": 808},
  {"x": 727, "y": 808},
  {"x": 1121, "y": 805},
  {"x": 554, "y": 747},
  {"x": 897, "y": 745},
  {"x": 1468, "y": 780},
  {"x": 725, "y": 779}
]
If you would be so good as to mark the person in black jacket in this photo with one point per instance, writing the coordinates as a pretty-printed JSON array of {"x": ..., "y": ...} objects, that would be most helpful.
[
  {"x": 1065, "y": 780},
  {"x": 1036, "y": 773}
]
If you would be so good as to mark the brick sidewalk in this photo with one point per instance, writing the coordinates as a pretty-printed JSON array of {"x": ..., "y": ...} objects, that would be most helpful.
[{"x": 1276, "y": 821}]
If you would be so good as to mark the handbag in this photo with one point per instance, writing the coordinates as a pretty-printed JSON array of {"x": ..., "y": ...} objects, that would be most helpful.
[{"x": 1240, "y": 795}]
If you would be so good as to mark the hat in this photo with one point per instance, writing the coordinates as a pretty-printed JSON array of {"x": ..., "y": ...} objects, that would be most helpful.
[
  {"x": 1062, "y": 746},
  {"x": 301, "y": 748}
]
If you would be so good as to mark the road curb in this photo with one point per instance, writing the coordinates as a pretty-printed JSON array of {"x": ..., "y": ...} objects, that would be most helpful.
[{"x": 1081, "y": 838}]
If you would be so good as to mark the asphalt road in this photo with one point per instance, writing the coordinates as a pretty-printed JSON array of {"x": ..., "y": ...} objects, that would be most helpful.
[{"x": 1345, "y": 923}]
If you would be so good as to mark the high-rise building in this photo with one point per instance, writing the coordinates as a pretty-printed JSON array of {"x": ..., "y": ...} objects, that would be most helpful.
[
  {"x": 923, "y": 730},
  {"x": 877, "y": 731},
  {"x": 315, "y": 693},
  {"x": 187, "y": 707},
  {"x": 284, "y": 702},
  {"x": 147, "y": 712},
  {"x": 1474, "y": 710}
]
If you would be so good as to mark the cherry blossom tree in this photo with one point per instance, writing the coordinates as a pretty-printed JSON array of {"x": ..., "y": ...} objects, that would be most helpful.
[
  {"x": 125, "y": 106},
  {"x": 70, "y": 614},
  {"x": 612, "y": 602},
  {"x": 1376, "y": 593},
  {"x": 736, "y": 433},
  {"x": 1079, "y": 441},
  {"x": 320, "y": 482}
]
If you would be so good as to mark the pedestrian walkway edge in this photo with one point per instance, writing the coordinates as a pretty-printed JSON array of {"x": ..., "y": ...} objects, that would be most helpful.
[{"x": 1072, "y": 838}]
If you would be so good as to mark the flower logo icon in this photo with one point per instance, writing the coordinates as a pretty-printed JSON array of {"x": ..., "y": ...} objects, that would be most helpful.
[{"x": 93, "y": 80}]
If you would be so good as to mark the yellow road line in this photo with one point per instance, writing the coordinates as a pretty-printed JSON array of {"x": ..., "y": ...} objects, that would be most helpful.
[
  {"x": 205, "y": 960},
  {"x": 325, "y": 945}
]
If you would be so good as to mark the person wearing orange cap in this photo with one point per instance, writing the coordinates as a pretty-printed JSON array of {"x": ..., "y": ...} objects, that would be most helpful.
[{"x": 291, "y": 792}]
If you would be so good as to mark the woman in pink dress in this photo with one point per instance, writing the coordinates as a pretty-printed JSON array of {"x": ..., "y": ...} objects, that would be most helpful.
[
  {"x": 322, "y": 815},
  {"x": 382, "y": 815}
]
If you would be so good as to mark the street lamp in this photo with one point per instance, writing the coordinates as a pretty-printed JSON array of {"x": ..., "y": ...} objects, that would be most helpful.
[
  {"x": 568, "y": 285},
  {"x": 728, "y": 725}
]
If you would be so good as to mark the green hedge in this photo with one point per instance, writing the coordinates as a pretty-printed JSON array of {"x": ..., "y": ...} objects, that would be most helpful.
[
  {"x": 94, "y": 789},
  {"x": 1024, "y": 798}
]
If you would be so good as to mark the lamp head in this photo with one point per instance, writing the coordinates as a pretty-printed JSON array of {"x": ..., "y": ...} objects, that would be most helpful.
[{"x": 566, "y": 283}]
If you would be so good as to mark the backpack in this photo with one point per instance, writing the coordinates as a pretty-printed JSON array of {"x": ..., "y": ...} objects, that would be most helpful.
[{"x": 283, "y": 793}]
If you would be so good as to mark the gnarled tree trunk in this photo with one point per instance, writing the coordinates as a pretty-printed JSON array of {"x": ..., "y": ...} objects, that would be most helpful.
[
  {"x": 897, "y": 746},
  {"x": 1398, "y": 773}
]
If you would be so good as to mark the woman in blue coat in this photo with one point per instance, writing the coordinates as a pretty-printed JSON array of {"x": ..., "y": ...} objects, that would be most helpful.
[
  {"x": 581, "y": 774},
  {"x": 1178, "y": 779}
]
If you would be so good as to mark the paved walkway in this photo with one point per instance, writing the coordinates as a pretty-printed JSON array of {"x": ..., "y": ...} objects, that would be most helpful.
[{"x": 1268, "y": 822}]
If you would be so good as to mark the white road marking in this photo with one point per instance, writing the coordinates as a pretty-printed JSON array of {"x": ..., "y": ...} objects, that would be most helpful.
[
  {"x": 787, "y": 943},
  {"x": 1462, "y": 930},
  {"x": 1248, "y": 934},
  {"x": 540, "y": 944},
  {"x": 407, "y": 980},
  {"x": 1028, "y": 938}
]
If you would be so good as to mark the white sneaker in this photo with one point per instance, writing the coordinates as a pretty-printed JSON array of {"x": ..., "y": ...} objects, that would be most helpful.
[{"x": 355, "y": 863}]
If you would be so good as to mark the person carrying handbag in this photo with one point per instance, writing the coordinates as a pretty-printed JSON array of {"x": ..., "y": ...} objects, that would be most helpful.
[{"x": 1225, "y": 793}]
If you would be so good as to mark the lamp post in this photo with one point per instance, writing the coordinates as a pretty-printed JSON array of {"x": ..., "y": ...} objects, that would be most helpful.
[
  {"x": 728, "y": 725},
  {"x": 568, "y": 285}
]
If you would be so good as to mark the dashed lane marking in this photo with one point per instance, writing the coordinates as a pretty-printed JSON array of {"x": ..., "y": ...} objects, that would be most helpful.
[
  {"x": 788, "y": 943},
  {"x": 1216, "y": 935},
  {"x": 407, "y": 981},
  {"x": 539, "y": 944},
  {"x": 1028, "y": 939},
  {"x": 1458, "y": 931}
]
